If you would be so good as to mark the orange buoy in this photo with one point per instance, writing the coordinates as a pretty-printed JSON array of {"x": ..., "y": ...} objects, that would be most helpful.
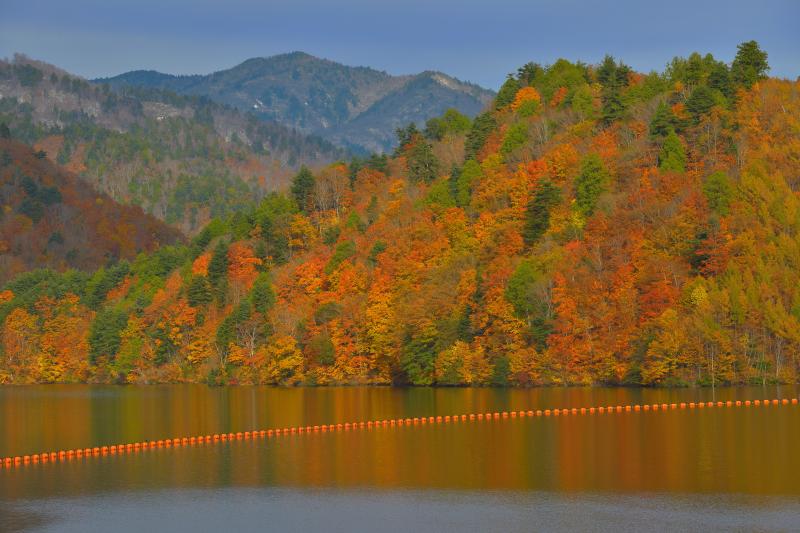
[
  {"x": 691, "y": 405},
  {"x": 35, "y": 458},
  {"x": 637, "y": 407},
  {"x": 785, "y": 401},
  {"x": 591, "y": 410},
  {"x": 728, "y": 403},
  {"x": 530, "y": 413},
  {"x": 574, "y": 410},
  {"x": 747, "y": 403},
  {"x": 601, "y": 409},
  {"x": 794, "y": 401},
  {"x": 738, "y": 403},
  {"x": 555, "y": 412},
  {"x": 547, "y": 412},
  {"x": 775, "y": 402}
]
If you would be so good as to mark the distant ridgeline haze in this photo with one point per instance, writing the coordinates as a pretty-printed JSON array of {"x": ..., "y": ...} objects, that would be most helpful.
[
  {"x": 182, "y": 159},
  {"x": 354, "y": 107},
  {"x": 593, "y": 225}
]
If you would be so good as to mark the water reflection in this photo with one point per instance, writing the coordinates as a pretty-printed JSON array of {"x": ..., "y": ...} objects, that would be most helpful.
[{"x": 748, "y": 451}]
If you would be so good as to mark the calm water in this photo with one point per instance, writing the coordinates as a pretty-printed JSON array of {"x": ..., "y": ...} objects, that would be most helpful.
[{"x": 715, "y": 469}]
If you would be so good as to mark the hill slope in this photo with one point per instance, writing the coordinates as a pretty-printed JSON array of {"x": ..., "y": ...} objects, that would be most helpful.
[
  {"x": 182, "y": 159},
  {"x": 351, "y": 106},
  {"x": 600, "y": 227},
  {"x": 52, "y": 219}
]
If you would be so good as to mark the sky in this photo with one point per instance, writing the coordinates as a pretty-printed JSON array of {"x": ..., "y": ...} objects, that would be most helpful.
[{"x": 477, "y": 41}]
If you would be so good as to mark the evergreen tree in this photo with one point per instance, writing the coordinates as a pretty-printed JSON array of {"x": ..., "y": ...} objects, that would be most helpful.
[
  {"x": 482, "y": 127},
  {"x": 663, "y": 121},
  {"x": 303, "y": 188},
  {"x": 672, "y": 156},
  {"x": 262, "y": 296},
  {"x": 104, "y": 334},
  {"x": 423, "y": 166},
  {"x": 199, "y": 291},
  {"x": 590, "y": 184},
  {"x": 537, "y": 214},
  {"x": 720, "y": 79},
  {"x": 507, "y": 92},
  {"x": 718, "y": 191},
  {"x": 405, "y": 136},
  {"x": 470, "y": 172},
  {"x": 749, "y": 65},
  {"x": 700, "y": 102},
  {"x": 218, "y": 266}
]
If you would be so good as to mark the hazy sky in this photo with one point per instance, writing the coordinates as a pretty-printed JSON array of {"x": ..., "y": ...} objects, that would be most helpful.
[{"x": 479, "y": 41}]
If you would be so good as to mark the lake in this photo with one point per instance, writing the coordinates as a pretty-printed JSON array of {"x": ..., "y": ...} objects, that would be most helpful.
[{"x": 710, "y": 469}]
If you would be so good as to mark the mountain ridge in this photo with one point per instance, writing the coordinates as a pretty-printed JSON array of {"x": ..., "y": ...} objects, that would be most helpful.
[{"x": 323, "y": 97}]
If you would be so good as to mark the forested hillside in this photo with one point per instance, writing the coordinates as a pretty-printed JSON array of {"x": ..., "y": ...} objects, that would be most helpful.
[
  {"x": 595, "y": 225},
  {"x": 355, "y": 107},
  {"x": 182, "y": 159},
  {"x": 51, "y": 218}
]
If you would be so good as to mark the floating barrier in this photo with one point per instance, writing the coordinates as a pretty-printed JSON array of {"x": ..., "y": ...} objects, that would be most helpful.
[{"x": 182, "y": 442}]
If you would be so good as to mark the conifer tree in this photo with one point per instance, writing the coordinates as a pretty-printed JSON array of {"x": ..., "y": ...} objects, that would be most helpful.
[{"x": 672, "y": 156}]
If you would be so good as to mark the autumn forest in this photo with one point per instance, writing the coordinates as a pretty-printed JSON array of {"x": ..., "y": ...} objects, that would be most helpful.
[{"x": 593, "y": 225}]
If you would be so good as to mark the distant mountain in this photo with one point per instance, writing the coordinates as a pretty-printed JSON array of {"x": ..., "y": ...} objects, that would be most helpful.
[
  {"x": 355, "y": 107},
  {"x": 184, "y": 159},
  {"x": 53, "y": 219}
]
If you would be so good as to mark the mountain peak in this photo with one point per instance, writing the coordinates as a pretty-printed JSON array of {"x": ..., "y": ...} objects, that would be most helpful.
[{"x": 323, "y": 97}]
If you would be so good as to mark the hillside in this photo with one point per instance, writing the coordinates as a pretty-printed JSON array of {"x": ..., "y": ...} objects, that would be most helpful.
[
  {"x": 52, "y": 219},
  {"x": 594, "y": 226},
  {"x": 182, "y": 159},
  {"x": 354, "y": 107}
]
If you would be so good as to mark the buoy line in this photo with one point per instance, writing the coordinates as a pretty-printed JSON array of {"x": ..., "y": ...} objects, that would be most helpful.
[{"x": 136, "y": 447}]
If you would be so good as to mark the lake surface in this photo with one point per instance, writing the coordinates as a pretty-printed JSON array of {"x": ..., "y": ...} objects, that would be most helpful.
[{"x": 710, "y": 469}]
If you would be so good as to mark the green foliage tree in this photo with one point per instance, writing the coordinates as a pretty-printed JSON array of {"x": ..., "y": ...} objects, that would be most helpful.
[
  {"x": 718, "y": 191},
  {"x": 423, "y": 166},
  {"x": 419, "y": 354},
  {"x": 482, "y": 127},
  {"x": 344, "y": 251},
  {"x": 198, "y": 292},
  {"x": 672, "y": 156},
  {"x": 700, "y": 102},
  {"x": 452, "y": 122},
  {"x": 590, "y": 184},
  {"x": 516, "y": 136},
  {"x": 218, "y": 266},
  {"x": 405, "y": 136},
  {"x": 468, "y": 175},
  {"x": 104, "y": 334},
  {"x": 537, "y": 213},
  {"x": 303, "y": 188},
  {"x": 613, "y": 77},
  {"x": 262, "y": 295},
  {"x": 749, "y": 65},
  {"x": 507, "y": 92},
  {"x": 663, "y": 121}
]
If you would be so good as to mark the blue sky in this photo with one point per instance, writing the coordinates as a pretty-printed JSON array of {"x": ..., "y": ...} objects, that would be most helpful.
[{"x": 472, "y": 40}]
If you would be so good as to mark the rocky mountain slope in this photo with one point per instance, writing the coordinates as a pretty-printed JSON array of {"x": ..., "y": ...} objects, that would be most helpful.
[{"x": 355, "y": 107}]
